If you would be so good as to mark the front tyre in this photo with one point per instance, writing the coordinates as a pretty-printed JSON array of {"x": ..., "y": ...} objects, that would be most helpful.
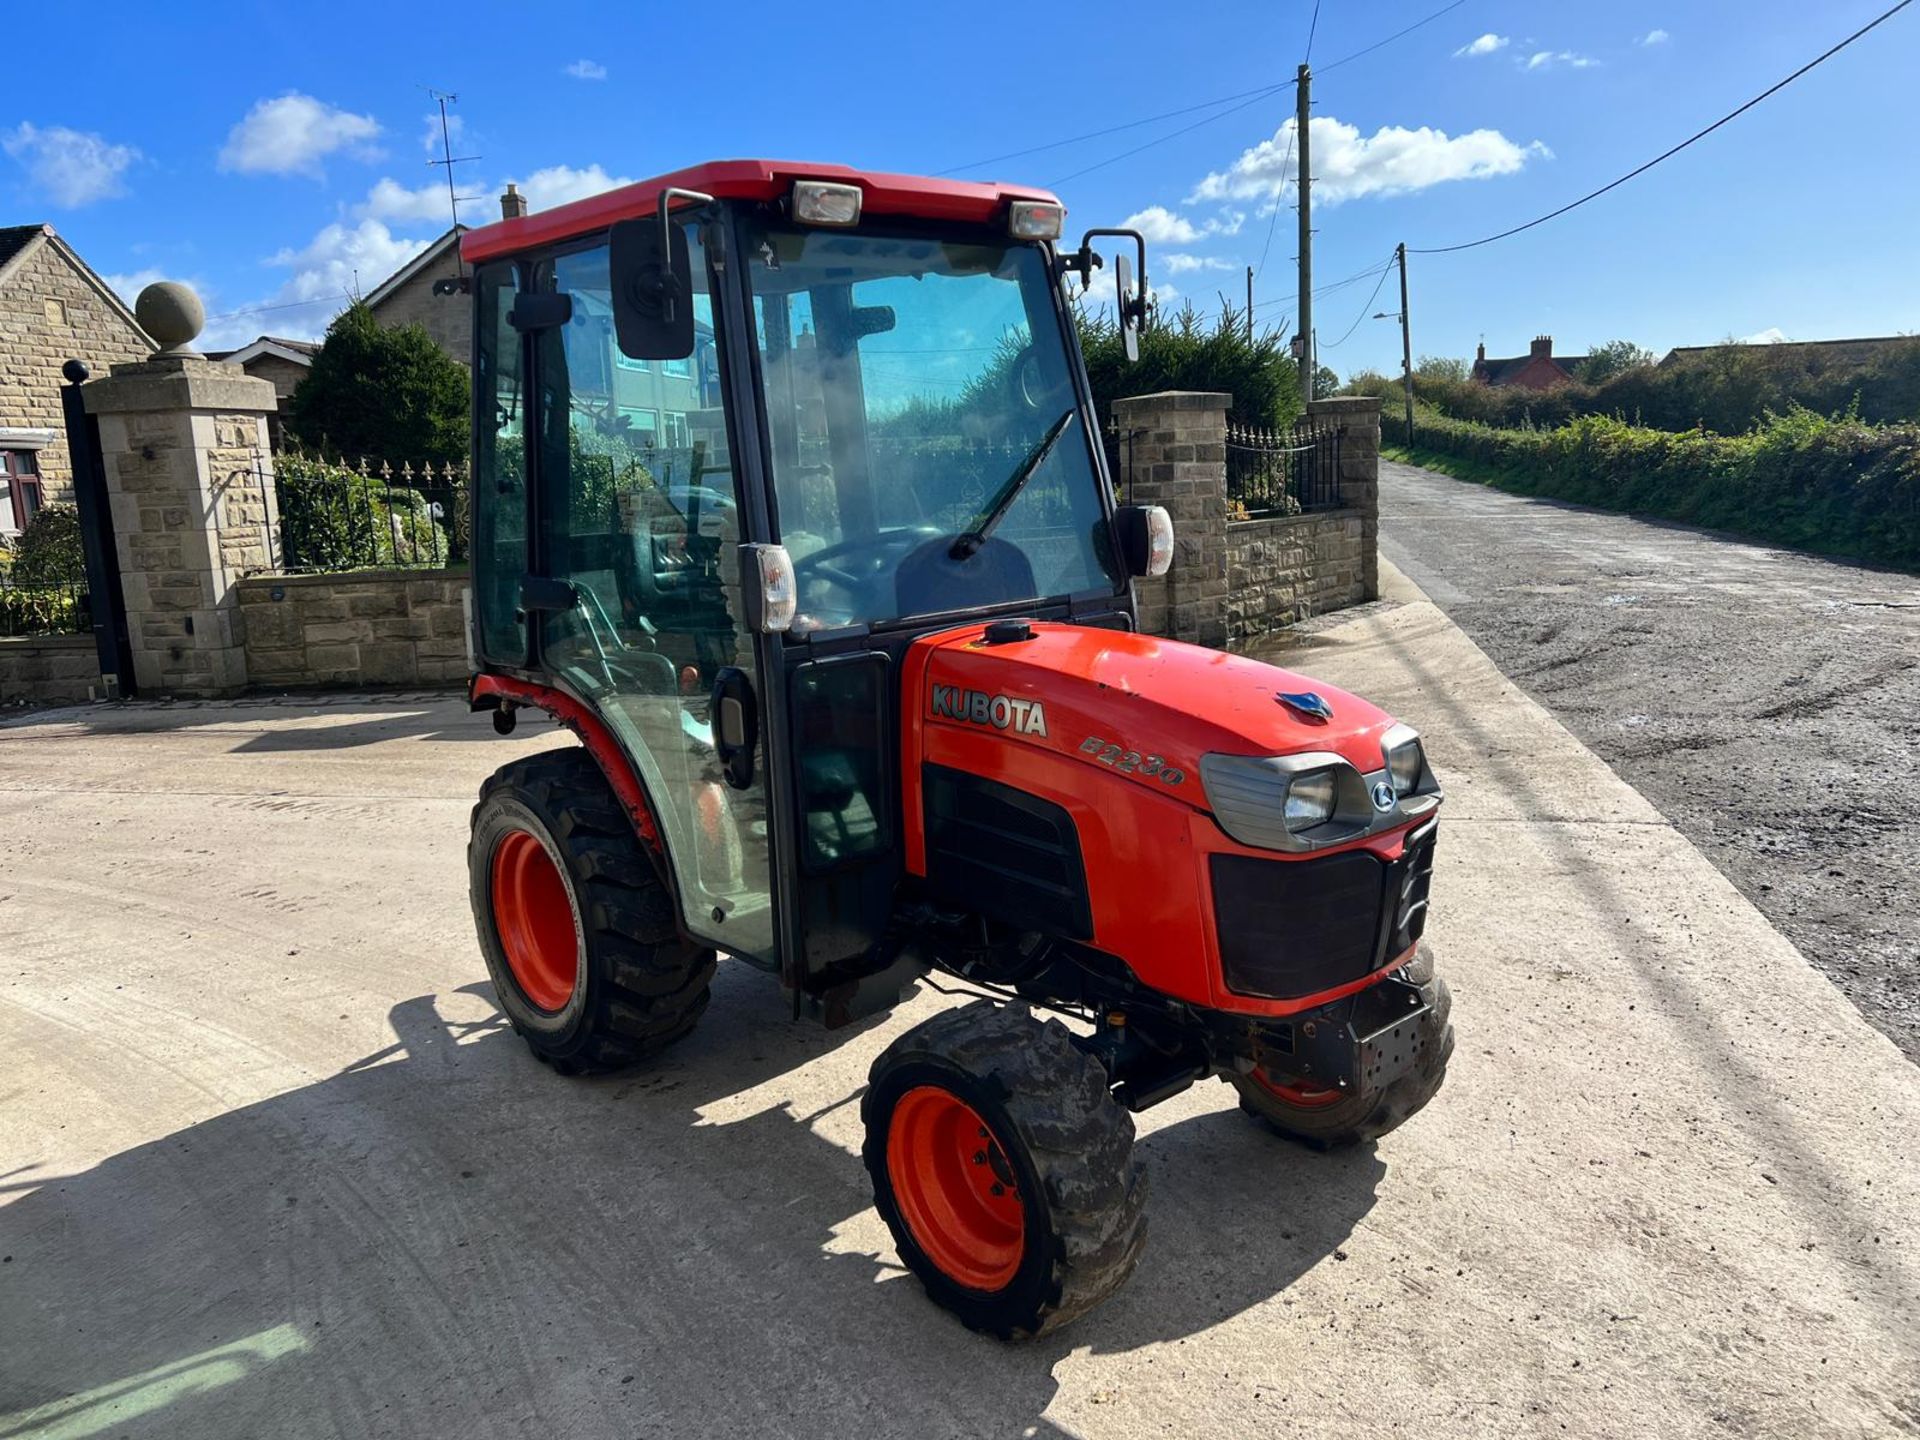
[
  {"x": 576, "y": 925},
  {"x": 1004, "y": 1168},
  {"x": 1326, "y": 1119}
]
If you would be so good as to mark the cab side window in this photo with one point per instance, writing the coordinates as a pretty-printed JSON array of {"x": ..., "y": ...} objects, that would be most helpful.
[{"x": 500, "y": 471}]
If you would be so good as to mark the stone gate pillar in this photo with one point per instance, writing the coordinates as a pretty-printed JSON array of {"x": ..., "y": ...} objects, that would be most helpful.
[
  {"x": 183, "y": 441},
  {"x": 1358, "y": 417},
  {"x": 1179, "y": 460}
]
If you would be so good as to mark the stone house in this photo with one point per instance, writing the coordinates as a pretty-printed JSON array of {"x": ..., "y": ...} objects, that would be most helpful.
[
  {"x": 53, "y": 308},
  {"x": 1538, "y": 369},
  {"x": 281, "y": 363},
  {"x": 406, "y": 298}
]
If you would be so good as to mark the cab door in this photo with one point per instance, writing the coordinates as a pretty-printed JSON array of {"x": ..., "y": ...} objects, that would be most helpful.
[{"x": 633, "y": 595}]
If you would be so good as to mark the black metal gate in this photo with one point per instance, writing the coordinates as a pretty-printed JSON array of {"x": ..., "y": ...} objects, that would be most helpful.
[{"x": 106, "y": 604}]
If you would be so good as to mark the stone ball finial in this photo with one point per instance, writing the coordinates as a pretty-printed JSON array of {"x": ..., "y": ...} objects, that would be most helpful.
[{"x": 172, "y": 314}]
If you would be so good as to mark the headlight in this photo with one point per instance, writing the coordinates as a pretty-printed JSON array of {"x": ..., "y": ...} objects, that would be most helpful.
[
  {"x": 1404, "y": 763},
  {"x": 1269, "y": 801},
  {"x": 1310, "y": 800}
]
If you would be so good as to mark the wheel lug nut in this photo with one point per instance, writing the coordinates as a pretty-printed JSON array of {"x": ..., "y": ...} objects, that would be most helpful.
[
  {"x": 979, "y": 1157},
  {"x": 998, "y": 1188}
]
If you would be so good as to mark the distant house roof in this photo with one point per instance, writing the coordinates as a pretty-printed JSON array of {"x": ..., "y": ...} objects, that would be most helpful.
[
  {"x": 300, "y": 352},
  {"x": 436, "y": 251},
  {"x": 1539, "y": 358},
  {"x": 18, "y": 242},
  {"x": 1841, "y": 351}
]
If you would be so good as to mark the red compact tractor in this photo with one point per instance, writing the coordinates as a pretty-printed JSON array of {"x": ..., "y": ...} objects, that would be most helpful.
[{"x": 789, "y": 502}]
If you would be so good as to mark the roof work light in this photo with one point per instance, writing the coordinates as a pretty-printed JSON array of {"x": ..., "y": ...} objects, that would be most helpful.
[
  {"x": 1036, "y": 220},
  {"x": 821, "y": 202}
]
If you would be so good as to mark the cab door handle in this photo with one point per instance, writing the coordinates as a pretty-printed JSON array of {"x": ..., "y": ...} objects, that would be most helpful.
[{"x": 736, "y": 724}]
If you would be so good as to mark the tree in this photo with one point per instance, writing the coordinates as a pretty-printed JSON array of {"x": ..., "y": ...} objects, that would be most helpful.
[
  {"x": 49, "y": 550},
  {"x": 1442, "y": 367},
  {"x": 1181, "y": 352},
  {"x": 387, "y": 394},
  {"x": 1616, "y": 357},
  {"x": 1325, "y": 383}
]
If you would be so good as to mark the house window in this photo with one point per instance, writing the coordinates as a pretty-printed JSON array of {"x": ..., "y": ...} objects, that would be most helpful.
[
  {"x": 682, "y": 368},
  {"x": 643, "y": 426},
  {"x": 627, "y": 362},
  {"x": 20, "y": 476},
  {"x": 676, "y": 430}
]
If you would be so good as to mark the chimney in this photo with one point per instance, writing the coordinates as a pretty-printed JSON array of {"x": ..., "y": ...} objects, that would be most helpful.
[
  {"x": 1480, "y": 356},
  {"x": 513, "y": 205},
  {"x": 1542, "y": 347}
]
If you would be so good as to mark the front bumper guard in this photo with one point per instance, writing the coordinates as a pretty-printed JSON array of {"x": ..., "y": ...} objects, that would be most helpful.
[{"x": 1360, "y": 1044}]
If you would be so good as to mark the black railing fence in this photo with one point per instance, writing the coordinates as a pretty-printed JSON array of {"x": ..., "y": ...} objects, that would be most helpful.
[
  {"x": 369, "y": 514},
  {"x": 1282, "y": 472},
  {"x": 56, "y": 608}
]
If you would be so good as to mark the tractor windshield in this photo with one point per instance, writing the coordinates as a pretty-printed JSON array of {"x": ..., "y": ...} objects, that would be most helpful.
[{"x": 929, "y": 453}]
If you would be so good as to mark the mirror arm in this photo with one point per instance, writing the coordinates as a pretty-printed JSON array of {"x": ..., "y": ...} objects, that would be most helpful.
[
  {"x": 667, "y": 197},
  {"x": 1140, "y": 245}
]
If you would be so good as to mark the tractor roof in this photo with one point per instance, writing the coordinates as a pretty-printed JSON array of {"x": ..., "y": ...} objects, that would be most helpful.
[{"x": 882, "y": 194}]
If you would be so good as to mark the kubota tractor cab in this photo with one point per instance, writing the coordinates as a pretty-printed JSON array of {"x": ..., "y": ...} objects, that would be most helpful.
[{"x": 789, "y": 502}]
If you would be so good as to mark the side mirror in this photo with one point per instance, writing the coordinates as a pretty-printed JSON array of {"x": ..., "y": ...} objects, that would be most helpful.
[
  {"x": 652, "y": 282},
  {"x": 1132, "y": 302},
  {"x": 1146, "y": 539}
]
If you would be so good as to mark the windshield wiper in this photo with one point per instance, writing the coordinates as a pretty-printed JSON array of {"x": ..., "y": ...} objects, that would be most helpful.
[{"x": 968, "y": 541}]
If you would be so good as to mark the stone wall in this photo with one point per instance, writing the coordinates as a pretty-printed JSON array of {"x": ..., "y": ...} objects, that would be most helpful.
[
  {"x": 1286, "y": 569},
  {"x": 1232, "y": 581},
  {"x": 364, "y": 628},
  {"x": 49, "y": 670},
  {"x": 50, "y": 313},
  {"x": 447, "y": 318}
]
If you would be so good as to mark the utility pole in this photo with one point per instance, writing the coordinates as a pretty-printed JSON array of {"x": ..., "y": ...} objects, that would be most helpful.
[
  {"x": 1302, "y": 106},
  {"x": 1250, "y": 302},
  {"x": 1406, "y": 339}
]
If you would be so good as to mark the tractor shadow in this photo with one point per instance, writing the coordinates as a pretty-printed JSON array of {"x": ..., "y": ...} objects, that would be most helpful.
[{"x": 446, "y": 1239}]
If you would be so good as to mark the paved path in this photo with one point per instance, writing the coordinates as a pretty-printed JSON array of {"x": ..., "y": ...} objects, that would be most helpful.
[
  {"x": 270, "y": 1163},
  {"x": 1766, "y": 702}
]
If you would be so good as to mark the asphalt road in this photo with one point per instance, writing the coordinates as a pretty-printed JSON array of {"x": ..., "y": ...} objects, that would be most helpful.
[{"x": 1767, "y": 702}]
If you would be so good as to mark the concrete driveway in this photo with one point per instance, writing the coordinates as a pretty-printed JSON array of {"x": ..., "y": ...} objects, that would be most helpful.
[{"x": 271, "y": 1165}]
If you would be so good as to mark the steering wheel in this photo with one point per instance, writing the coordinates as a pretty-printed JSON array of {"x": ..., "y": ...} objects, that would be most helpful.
[{"x": 857, "y": 564}]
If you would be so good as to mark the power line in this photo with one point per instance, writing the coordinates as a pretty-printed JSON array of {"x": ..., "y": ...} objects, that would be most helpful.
[
  {"x": 1248, "y": 96},
  {"x": 285, "y": 305},
  {"x": 1348, "y": 59},
  {"x": 1273, "y": 218},
  {"x": 1364, "y": 308},
  {"x": 1669, "y": 154},
  {"x": 1314, "y": 25},
  {"x": 1260, "y": 93},
  {"x": 1171, "y": 135}
]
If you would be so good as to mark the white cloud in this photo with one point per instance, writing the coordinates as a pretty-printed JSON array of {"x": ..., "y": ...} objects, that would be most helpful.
[
  {"x": 343, "y": 260},
  {"x": 586, "y": 70},
  {"x": 293, "y": 134},
  {"x": 1772, "y": 335},
  {"x": 427, "y": 205},
  {"x": 129, "y": 286},
  {"x": 1485, "y": 45},
  {"x": 1178, "y": 264},
  {"x": 1655, "y": 37},
  {"x": 72, "y": 167},
  {"x": 1162, "y": 226},
  {"x": 430, "y": 134},
  {"x": 557, "y": 184},
  {"x": 1550, "y": 59},
  {"x": 1348, "y": 165}
]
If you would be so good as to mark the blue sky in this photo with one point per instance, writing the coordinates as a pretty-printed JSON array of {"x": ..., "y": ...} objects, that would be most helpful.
[{"x": 293, "y": 166}]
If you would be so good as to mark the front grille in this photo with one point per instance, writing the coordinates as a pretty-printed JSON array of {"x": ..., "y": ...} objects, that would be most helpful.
[{"x": 1289, "y": 928}]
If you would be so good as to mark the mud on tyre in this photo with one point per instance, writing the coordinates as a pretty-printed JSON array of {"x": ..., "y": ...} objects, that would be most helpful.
[
  {"x": 1004, "y": 1168},
  {"x": 577, "y": 927}
]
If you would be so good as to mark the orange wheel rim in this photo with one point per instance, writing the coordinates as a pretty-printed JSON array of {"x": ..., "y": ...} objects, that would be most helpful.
[
  {"x": 534, "y": 920},
  {"x": 955, "y": 1188},
  {"x": 1300, "y": 1095}
]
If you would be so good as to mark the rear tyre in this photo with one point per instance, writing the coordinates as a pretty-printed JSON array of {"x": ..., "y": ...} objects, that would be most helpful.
[
  {"x": 576, "y": 925},
  {"x": 1004, "y": 1169},
  {"x": 1326, "y": 1119}
]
